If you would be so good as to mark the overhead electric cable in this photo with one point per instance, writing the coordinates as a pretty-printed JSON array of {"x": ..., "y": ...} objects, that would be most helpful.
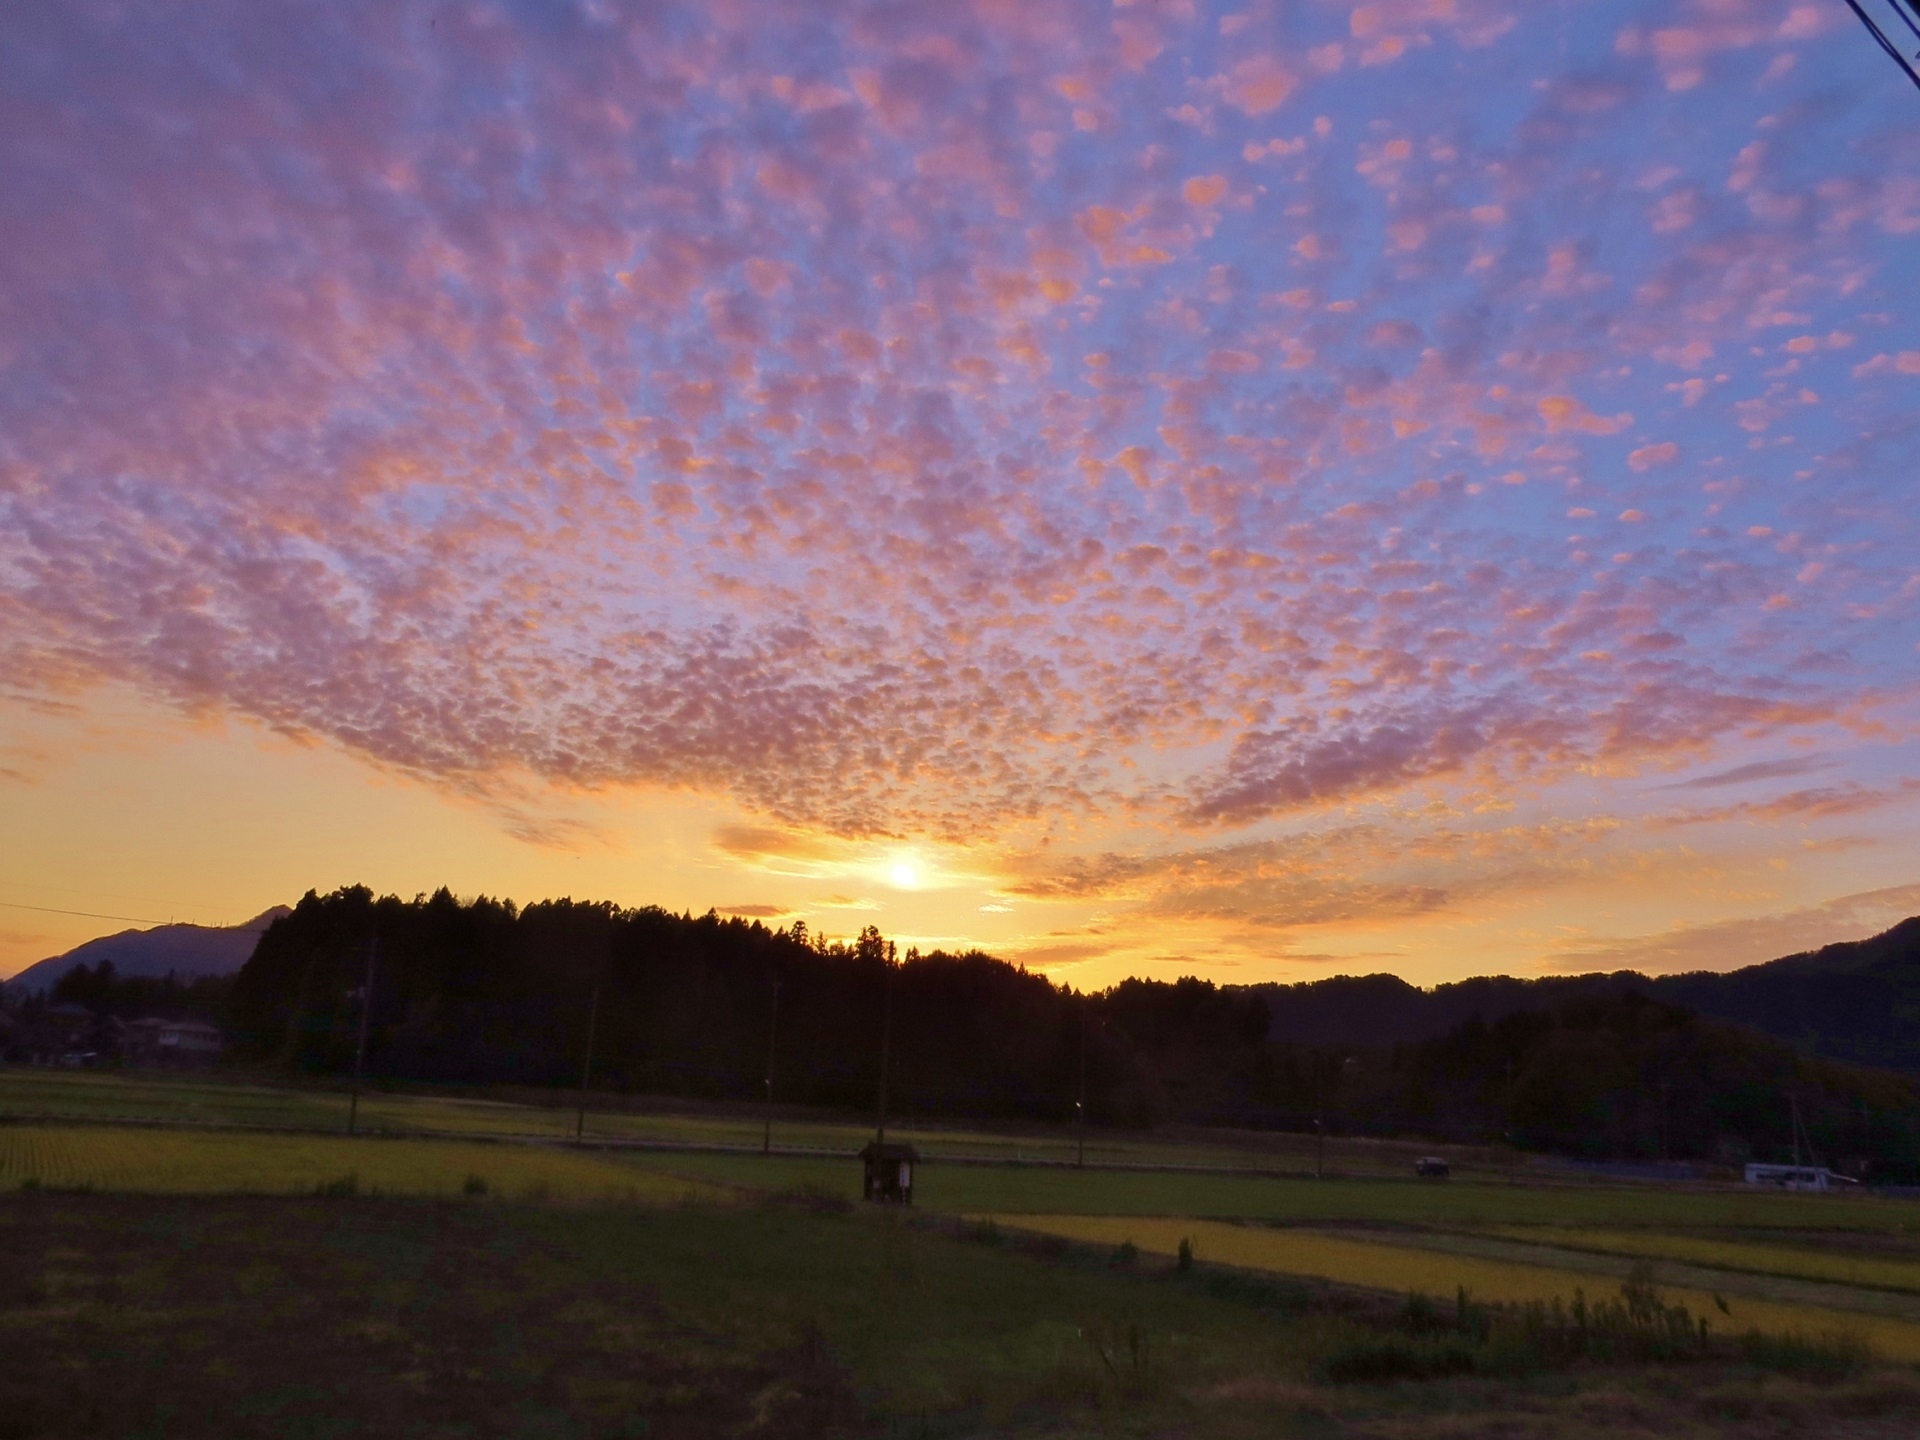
[
  {"x": 1880, "y": 36},
  {"x": 86, "y": 914}
]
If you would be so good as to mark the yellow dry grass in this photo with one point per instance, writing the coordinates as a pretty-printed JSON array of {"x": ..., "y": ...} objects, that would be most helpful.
[
  {"x": 1877, "y": 1272},
  {"x": 1402, "y": 1268},
  {"x": 183, "y": 1162}
]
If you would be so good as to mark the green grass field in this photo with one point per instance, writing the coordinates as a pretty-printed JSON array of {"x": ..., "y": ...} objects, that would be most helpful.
[{"x": 318, "y": 1317}]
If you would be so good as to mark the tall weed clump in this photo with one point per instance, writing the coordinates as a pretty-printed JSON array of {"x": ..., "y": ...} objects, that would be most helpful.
[
  {"x": 1124, "y": 1349},
  {"x": 1635, "y": 1327},
  {"x": 1477, "y": 1337}
]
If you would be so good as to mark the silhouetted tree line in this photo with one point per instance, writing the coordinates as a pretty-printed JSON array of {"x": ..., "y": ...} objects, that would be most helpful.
[
  {"x": 109, "y": 994},
  {"x": 1627, "y": 1076},
  {"x": 483, "y": 992}
]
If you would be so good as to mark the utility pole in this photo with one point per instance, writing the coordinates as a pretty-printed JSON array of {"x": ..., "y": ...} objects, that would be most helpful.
[
  {"x": 1513, "y": 1152},
  {"x": 1080, "y": 1105},
  {"x": 1320, "y": 1118},
  {"x": 773, "y": 1034},
  {"x": 886, "y": 1049},
  {"x": 1509, "y": 1099},
  {"x": 1663, "y": 1120},
  {"x": 586, "y": 1065},
  {"x": 360, "y": 1051},
  {"x": 1801, "y": 1135},
  {"x": 1319, "y": 1124}
]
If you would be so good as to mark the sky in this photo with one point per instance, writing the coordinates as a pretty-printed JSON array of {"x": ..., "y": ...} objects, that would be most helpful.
[{"x": 1258, "y": 490}]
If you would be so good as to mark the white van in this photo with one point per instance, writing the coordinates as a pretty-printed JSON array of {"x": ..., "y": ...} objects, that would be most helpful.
[{"x": 1796, "y": 1177}]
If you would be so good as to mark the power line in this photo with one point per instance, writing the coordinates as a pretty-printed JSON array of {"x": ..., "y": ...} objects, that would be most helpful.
[
  {"x": 1880, "y": 37},
  {"x": 85, "y": 914}
]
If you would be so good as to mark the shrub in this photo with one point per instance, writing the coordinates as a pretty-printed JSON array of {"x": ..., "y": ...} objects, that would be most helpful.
[
  {"x": 1506, "y": 1339},
  {"x": 1376, "y": 1359},
  {"x": 816, "y": 1198},
  {"x": 344, "y": 1186},
  {"x": 475, "y": 1185},
  {"x": 1184, "y": 1260},
  {"x": 1470, "y": 1317},
  {"x": 1421, "y": 1316},
  {"x": 1048, "y": 1247},
  {"x": 1125, "y": 1256}
]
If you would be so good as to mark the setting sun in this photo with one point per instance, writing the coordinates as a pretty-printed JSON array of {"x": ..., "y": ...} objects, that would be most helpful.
[{"x": 904, "y": 875}]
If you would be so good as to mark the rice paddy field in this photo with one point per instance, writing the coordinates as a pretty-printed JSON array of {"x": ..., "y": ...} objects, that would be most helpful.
[
  {"x": 1846, "y": 1258},
  {"x": 1410, "y": 1262},
  {"x": 1462, "y": 1203},
  {"x": 173, "y": 1162},
  {"x": 1073, "y": 1317},
  {"x": 1780, "y": 1262},
  {"x": 54, "y": 1095}
]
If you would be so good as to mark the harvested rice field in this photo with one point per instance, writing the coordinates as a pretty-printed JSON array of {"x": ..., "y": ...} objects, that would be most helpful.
[
  {"x": 261, "y": 1317},
  {"x": 696, "y": 1293},
  {"x": 53, "y": 1096},
  {"x": 1403, "y": 1265},
  {"x": 127, "y": 1159},
  {"x": 1403, "y": 1201}
]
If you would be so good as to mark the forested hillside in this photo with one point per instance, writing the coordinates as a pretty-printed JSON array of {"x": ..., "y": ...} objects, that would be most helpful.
[
  {"x": 481, "y": 991},
  {"x": 1858, "y": 1001},
  {"x": 182, "y": 951}
]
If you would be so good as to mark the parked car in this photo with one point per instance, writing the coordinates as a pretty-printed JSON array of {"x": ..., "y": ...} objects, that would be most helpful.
[{"x": 1432, "y": 1167}]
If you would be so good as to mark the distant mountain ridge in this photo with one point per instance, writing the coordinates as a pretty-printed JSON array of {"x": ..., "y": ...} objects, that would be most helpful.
[
  {"x": 180, "y": 949},
  {"x": 1857, "y": 1001}
]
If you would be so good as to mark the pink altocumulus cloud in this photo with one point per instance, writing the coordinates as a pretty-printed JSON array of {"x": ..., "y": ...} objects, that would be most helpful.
[
  {"x": 919, "y": 419},
  {"x": 1343, "y": 874}
]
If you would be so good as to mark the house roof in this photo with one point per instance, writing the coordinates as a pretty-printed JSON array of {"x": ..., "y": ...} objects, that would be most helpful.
[{"x": 155, "y": 1022}]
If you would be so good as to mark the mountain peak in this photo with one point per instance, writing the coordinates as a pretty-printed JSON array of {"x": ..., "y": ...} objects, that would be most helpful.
[{"x": 181, "y": 949}]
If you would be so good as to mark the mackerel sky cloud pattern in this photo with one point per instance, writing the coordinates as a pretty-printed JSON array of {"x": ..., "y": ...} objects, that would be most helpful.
[{"x": 930, "y": 419}]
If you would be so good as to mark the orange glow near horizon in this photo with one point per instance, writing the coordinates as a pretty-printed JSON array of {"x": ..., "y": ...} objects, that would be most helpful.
[{"x": 159, "y": 819}]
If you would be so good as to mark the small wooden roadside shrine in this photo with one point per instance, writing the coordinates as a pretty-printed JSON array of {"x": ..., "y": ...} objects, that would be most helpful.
[{"x": 889, "y": 1172}]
